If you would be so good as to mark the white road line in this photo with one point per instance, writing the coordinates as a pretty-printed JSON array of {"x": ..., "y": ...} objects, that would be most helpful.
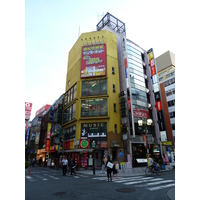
[
  {"x": 44, "y": 179},
  {"x": 155, "y": 183},
  {"x": 76, "y": 177},
  {"x": 121, "y": 178},
  {"x": 51, "y": 176},
  {"x": 139, "y": 179},
  {"x": 30, "y": 178},
  {"x": 161, "y": 187},
  {"x": 144, "y": 181},
  {"x": 82, "y": 175}
]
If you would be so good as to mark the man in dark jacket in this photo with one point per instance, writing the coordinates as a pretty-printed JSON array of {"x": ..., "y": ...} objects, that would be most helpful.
[
  {"x": 109, "y": 169},
  {"x": 73, "y": 165}
]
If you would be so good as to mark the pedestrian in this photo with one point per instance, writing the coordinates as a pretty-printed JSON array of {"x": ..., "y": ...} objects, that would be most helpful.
[
  {"x": 64, "y": 165},
  {"x": 109, "y": 165},
  {"x": 73, "y": 165},
  {"x": 40, "y": 161},
  {"x": 115, "y": 169},
  {"x": 104, "y": 160}
]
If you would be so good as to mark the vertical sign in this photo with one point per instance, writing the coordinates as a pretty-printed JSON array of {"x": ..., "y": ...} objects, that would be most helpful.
[
  {"x": 48, "y": 130},
  {"x": 28, "y": 108}
]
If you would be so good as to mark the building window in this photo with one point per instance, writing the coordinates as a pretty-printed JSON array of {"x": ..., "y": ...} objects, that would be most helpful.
[
  {"x": 172, "y": 114},
  {"x": 173, "y": 127},
  {"x": 171, "y": 103},
  {"x": 114, "y": 88},
  {"x": 115, "y": 110},
  {"x": 94, "y": 87},
  {"x": 162, "y": 73},
  {"x": 115, "y": 128},
  {"x": 113, "y": 70},
  {"x": 171, "y": 74},
  {"x": 69, "y": 83},
  {"x": 160, "y": 79}
]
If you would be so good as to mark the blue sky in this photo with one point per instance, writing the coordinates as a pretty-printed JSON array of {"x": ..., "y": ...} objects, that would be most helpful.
[{"x": 52, "y": 28}]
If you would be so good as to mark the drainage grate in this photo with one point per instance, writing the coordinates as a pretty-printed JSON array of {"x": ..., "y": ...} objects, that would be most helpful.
[
  {"x": 125, "y": 190},
  {"x": 59, "y": 193}
]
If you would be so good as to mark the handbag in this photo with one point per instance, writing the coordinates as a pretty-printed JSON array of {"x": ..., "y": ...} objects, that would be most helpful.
[{"x": 110, "y": 165}]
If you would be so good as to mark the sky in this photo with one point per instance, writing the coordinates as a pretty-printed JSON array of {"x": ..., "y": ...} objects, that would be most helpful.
[{"x": 53, "y": 26}]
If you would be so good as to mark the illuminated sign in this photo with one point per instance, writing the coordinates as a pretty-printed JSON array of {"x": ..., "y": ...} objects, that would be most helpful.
[
  {"x": 93, "y": 60},
  {"x": 84, "y": 143}
]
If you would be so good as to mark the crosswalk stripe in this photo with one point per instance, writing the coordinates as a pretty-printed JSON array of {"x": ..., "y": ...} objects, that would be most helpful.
[
  {"x": 161, "y": 187},
  {"x": 51, "y": 176},
  {"x": 155, "y": 183},
  {"x": 82, "y": 175},
  {"x": 44, "y": 179},
  {"x": 30, "y": 178},
  {"x": 121, "y": 181},
  {"x": 144, "y": 181}
]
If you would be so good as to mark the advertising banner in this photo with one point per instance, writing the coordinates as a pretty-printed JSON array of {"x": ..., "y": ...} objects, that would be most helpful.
[
  {"x": 144, "y": 140},
  {"x": 27, "y": 134},
  {"x": 28, "y": 108},
  {"x": 158, "y": 105},
  {"x": 93, "y": 60},
  {"x": 48, "y": 130},
  {"x": 41, "y": 110},
  {"x": 47, "y": 145},
  {"x": 140, "y": 113}
]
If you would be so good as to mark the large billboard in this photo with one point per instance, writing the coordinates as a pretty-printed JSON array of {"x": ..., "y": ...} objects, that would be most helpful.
[
  {"x": 93, "y": 60},
  {"x": 41, "y": 110},
  {"x": 28, "y": 108}
]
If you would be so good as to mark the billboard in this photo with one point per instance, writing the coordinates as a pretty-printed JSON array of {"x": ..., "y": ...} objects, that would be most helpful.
[
  {"x": 28, "y": 108},
  {"x": 93, "y": 60},
  {"x": 140, "y": 113},
  {"x": 41, "y": 110}
]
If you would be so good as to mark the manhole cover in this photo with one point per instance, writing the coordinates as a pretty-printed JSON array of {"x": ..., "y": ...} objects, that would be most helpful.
[
  {"x": 125, "y": 190},
  {"x": 59, "y": 193}
]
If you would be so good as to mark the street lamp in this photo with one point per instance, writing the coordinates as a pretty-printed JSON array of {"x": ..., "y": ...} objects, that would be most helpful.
[{"x": 148, "y": 122}]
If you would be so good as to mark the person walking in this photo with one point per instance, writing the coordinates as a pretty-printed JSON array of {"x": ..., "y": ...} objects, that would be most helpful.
[
  {"x": 104, "y": 161},
  {"x": 73, "y": 165},
  {"x": 109, "y": 165},
  {"x": 115, "y": 170},
  {"x": 64, "y": 165}
]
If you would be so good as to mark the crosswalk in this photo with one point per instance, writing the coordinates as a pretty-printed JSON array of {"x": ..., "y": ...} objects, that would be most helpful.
[
  {"x": 45, "y": 177},
  {"x": 149, "y": 183}
]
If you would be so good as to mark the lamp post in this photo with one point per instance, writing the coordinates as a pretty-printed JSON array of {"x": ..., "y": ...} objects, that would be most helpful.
[{"x": 148, "y": 123}]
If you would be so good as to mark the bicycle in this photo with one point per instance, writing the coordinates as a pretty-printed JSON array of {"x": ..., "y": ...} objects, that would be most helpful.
[{"x": 157, "y": 170}]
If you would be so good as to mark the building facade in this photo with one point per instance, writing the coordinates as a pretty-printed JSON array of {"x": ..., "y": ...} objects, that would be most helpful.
[
  {"x": 166, "y": 75},
  {"x": 108, "y": 91}
]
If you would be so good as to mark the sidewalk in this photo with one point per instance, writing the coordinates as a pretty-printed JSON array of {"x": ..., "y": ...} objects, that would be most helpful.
[{"x": 123, "y": 172}]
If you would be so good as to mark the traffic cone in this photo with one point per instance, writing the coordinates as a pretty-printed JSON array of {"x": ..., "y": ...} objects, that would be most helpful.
[{"x": 29, "y": 171}]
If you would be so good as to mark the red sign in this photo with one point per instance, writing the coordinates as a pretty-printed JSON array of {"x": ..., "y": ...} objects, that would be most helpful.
[
  {"x": 140, "y": 113},
  {"x": 129, "y": 104},
  {"x": 158, "y": 105},
  {"x": 47, "y": 145},
  {"x": 67, "y": 145},
  {"x": 93, "y": 60},
  {"x": 41, "y": 110},
  {"x": 103, "y": 145},
  {"x": 28, "y": 108},
  {"x": 52, "y": 148},
  {"x": 153, "y": 71},
  {"x": 125, "y": 62}
]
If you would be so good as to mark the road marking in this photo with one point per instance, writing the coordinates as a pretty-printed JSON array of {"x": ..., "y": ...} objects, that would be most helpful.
[
  {"x": 51, "y": 176},
  {"x": 44, "y": 179},
  {"x": 144, "y": 181},
  {"x": 161, "y": 187},
  {"x": 30, "y": 178},
  {"x": 82, "y": 175},
  {"x": 121, "y": 181},
  {"x": 155, "y": 183}
]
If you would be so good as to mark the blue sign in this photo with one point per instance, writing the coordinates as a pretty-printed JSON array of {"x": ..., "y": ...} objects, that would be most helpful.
[
  {"x": 31, "y": 151},
  {"x": 120, "y": 155},
  {"x": 27, "y": 135}
]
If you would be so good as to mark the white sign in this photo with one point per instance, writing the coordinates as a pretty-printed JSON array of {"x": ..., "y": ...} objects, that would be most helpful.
[
  {"x": 163, "y": 136},
  {"x": 110, "y": 165}
]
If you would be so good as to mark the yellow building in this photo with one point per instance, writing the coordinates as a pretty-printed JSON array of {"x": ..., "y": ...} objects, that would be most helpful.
[{"x": 91, "y": 112}]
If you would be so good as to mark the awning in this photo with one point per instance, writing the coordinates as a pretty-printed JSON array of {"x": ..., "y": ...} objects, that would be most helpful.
[
  {"x": 115, "y": 143},
  {"x": 78, "y": 150}
]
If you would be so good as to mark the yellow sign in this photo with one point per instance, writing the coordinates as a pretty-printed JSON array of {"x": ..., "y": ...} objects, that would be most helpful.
[
  {"x": 166, "y": 143},
  {"x": 150, "y": 55},
  {"x": 72, "y": 144}
]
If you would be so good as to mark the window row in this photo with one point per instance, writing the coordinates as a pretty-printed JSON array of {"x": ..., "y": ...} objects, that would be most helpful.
[
  {"x": 172, "y": 114},
  {"x": 134, "y": 58},
  {"x": 94, "y": 87},
  {"x": 70, "y": 95},
  {"x": 134, "y": 66},
  {"x": 169, "y": 82},
  {"x": 130, "y": 47},
  {"x": 170, "y": 92},
  {"x": 132, "y": 75},
  {"x": 130, "y": 51},
  {"x": 69, "y": 133},
  {"x": 69, "y": 113},
  {"x": 169, "y": 75},
  {"x": 95, "y": 107},
  {"x": 171, "y": 103}
]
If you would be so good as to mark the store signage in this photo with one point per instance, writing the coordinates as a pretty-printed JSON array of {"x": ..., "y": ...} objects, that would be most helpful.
[
  {"x": 157, "y": 96},
  {"x": 28, "y": 108},
  {"x": 93, "y": 60},
  {"x": 41, "y": 110},
  {"x": 72, "y": 144},
  {"x": 158, "y": 106},
  {"x": 48, "y": 130},
  {"x": 103, "y": 144},
  {"x": 47, "y": 145},
  {"x": 27, "y": 134},
  {"x": 167, "y": 143},
  {"x": 84, "y": 143},
  {"x": 144, "y": 140},
  {"x": 140, "y": 113}
]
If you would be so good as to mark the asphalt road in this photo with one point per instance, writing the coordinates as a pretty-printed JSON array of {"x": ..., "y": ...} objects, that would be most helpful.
[{"x": 45, "y": 183}]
